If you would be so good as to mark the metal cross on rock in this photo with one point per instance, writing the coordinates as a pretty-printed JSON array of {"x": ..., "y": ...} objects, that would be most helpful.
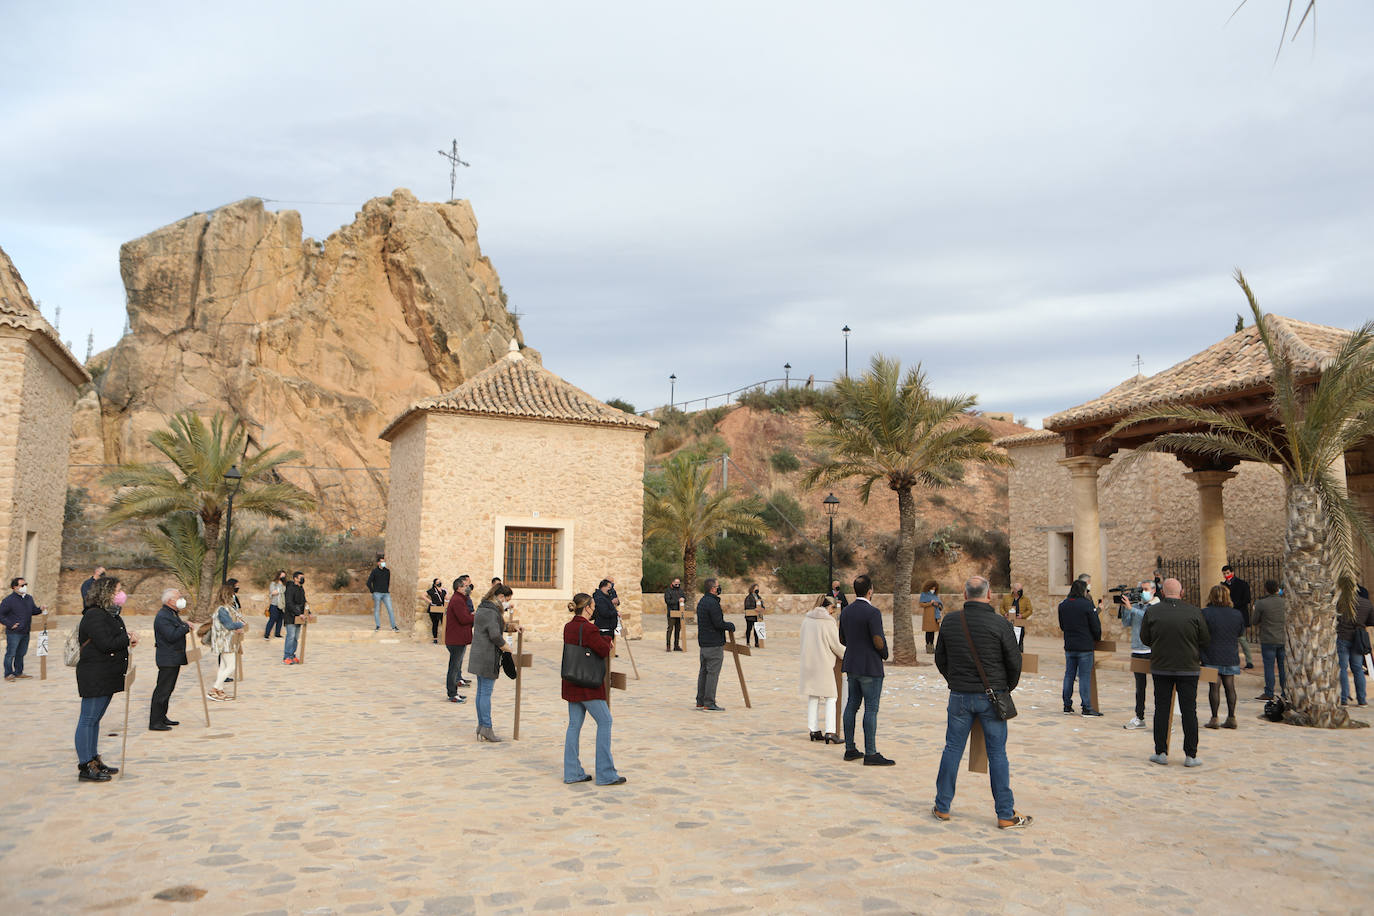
[{"x": 454, "y": 162}]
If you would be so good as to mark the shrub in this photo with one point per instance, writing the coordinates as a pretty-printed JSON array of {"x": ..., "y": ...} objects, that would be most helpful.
[
  {"x": 704, "y": 421},
  {"x": 784, "y": 462},
  {"x": 621, "y": 404},
  {"x": 784, "y": 400},
  {"x": 342, "y": 580},
  {"x": 803, "y": 578},
  {"x": 736, "y": 554},
  {"x": 945, "y": 545},
  {"x": 299, "y": 538},
  {"x": 783, "y": 513}
]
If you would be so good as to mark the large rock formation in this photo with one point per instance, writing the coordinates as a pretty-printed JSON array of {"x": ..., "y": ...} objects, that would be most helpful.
[{"x": 317, "y": 345}]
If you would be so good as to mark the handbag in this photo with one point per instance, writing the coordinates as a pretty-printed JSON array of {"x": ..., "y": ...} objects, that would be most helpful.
[
  {"x": 581, "y": 666},
  {"x": 508, "y": 664},
  {"x": 1002, "y": 705}
]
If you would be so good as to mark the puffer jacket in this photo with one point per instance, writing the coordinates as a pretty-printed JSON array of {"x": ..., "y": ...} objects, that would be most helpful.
[{"x": 997, "y": 650}]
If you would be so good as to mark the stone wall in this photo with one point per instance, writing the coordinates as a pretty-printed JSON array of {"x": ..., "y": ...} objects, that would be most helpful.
[
  {"x": 36, "y": 407},
  {"x": 1148, "y": 509},
  {"x": 482, "y": 474},
  {"x": 409, "y": 461}
]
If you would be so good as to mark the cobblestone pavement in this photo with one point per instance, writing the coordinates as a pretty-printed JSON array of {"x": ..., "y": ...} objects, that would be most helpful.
[{"x": 350, "y": 785}]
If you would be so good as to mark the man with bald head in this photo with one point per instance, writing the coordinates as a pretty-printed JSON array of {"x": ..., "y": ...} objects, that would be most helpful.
[{"x": 1175, "y": 632}]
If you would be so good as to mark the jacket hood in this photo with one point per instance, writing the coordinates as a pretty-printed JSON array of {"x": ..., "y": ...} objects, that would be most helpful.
[
  {"x": 818, "y": 613},
  {"x": 491, "y": 604}
]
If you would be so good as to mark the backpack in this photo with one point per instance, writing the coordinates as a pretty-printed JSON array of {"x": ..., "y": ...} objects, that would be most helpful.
[
  {"x": 1275, "y": 708},
  {"x": 71, "y": 647}
]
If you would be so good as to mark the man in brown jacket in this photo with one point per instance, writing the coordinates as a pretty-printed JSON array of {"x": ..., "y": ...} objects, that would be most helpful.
[{"x": 1016, "y": 607}]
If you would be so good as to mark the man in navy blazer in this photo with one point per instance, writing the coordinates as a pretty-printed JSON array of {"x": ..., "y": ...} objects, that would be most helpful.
[{"x": 169, "y": 640}]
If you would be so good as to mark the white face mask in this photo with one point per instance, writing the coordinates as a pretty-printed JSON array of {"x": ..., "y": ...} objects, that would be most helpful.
[
  {"x": 1146, "y": 596},
  {"x": 23, "y": 589},
  {"x": 381, "y": 565},
  {"x": 505, "y": 605},
  {"x": 181, "y": 604}
]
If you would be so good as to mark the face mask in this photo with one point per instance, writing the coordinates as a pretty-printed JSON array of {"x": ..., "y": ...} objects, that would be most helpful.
[
  {"x": 505, "y": 605},
  {"x": 181, "y": 604},
  {"x": 120, "y": 597},
  {"x": 23, "y": 589},
  {"x": 1146, "y": 596},
  {"x": 381, "y": 566}
]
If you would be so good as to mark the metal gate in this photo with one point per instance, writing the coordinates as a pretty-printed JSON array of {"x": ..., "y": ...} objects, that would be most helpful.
[
  {"x": 1253, "y": 570},
  {"x": 1185, "y": 570}
]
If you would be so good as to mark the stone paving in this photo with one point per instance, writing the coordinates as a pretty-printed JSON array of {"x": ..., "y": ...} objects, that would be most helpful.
[{"x": 350, "y": 785}]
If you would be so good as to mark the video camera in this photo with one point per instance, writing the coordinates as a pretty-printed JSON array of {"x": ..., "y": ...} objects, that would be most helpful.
[{"x": 1124, "y": 595}]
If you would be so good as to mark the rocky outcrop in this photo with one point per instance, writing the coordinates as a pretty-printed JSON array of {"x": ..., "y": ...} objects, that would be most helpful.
[{"x": 317, "y": 345}]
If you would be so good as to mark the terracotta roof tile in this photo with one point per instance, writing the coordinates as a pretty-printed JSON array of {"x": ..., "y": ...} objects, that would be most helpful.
[
  {"x": 519, "y": 388},
  {"x": 1237, "y": 363},
  {"x": 1034, "y": 437}
]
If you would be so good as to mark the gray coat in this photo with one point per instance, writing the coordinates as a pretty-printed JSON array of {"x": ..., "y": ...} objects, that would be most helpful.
[
  {"x": 1268, "y": 616},
  {"x": 484, "y": 659}
]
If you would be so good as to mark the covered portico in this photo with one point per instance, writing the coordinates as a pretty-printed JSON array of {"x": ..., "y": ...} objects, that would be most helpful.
[{"x": 1233, "y": 375}]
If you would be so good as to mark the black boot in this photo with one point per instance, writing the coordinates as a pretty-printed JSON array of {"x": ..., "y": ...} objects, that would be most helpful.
[
  {"x": 104, "y": 769},
  {"x": 90, "y": 771}
]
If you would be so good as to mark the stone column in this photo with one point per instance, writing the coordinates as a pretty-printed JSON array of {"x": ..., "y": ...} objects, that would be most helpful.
[
  {"x": 1087, "y": 520},
  {"x": 1212, "y": 517}
]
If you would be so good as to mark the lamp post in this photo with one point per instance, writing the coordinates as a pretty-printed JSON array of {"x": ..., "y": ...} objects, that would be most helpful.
[
  {"x": 832, "y": 506},
  {"x": 232, "y": 479},
  {"x": 845, "y": 329},
  {"x": 786, "y": 375},
  {"x": 672, "y": 389}
]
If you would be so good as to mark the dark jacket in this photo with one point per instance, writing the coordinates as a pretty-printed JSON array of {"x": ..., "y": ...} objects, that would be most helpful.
[
  {"x": 604, "y": 615},
  {"x": 1176, "y": 635},
  {"x": 1081, "y": 625},
  {"x": 295, "y": 602},
  {"x": 438, "y": 597},
  {"x": 997, "y": 650},
  {"x": 17, "y": 609},
  {"x": 711, "y": 623},
  {"x": 379, "y": 580},
  {"x": 580, "y": 628},
  {"x": 169, "y": 638},
  {"x": 104, "y": 653},
  {"x": 752, "y": 602},
  {"x": 458, "y": 621},
  {"x": 1364, "y": 617},
  {"x": 672, "y": 597},
  {"x": 839, "y": 596},
  {"x": 1240, "y": 596},
  {"x": 1224, "y": 627},
  {"x": 1269, "y": 615}
]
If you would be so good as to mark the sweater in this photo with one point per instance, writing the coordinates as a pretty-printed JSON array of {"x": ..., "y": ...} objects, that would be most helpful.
[
  {"x": 582, "y": 630},
  {"x": 458, "y": 621},
  {"x": 820, "y": 647},
  {"x": 1270, "y": 612},
  {"x": 1081, "y": 625},
  {"x": 1224, "y": 626},
  {"x": 17, "y": 612},
  {"x": 997, "y": 650},
  {"x": 1176, "y": 635}
]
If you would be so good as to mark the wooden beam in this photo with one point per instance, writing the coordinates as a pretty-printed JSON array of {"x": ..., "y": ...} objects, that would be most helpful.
[
  {"x": 737, "y": 650},
  {"x": 128, "y": 691}
]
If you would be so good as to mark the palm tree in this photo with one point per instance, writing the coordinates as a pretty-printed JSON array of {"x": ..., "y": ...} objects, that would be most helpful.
[
  {"x": 193, "y": 493},
  {"x": 1312, "y": 427},
  {"x": 680, "y": 508},
  {"x": 888, "y": 426}
]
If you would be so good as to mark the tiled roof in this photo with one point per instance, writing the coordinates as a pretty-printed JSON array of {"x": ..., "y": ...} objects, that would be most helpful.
[
  {"x": 1034, "y": 437},
  {"x": 1237, "y": 363},
  {"x": 517, "y": 387},
  {"x": 18, "y": 311}
]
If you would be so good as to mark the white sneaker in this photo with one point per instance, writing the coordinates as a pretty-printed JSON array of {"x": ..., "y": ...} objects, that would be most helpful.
[{"x": 1134, "y": 723}]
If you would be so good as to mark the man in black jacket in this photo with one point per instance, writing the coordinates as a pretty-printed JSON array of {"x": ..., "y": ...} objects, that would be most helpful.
[
  {"x": 379, "y": 584},
  {"x": 169, "y": 640},
  {"x": 1240, "y": 600},
  {"x": 995, "y": 641},
  {"x": 604, "y": 614},
  {"x": 673, "y": 601},
  {"x": 1176, "y": 633},
  {"x": 292, "y": 609},
  {"x": 711, "y": 629},
  {"x": 1082, "y": 628}
]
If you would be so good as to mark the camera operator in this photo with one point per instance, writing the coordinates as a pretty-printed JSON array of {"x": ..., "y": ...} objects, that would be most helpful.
[{"x": 1132, "y": 612}]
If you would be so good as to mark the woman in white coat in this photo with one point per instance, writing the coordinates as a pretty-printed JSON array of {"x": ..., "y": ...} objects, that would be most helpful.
[{"x": 820, "y": 646}]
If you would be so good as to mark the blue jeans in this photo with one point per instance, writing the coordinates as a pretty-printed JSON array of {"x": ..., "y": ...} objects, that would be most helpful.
[
  {"x": 88, "y": 726},
  {"x": 1080, "y": 665},
  {"x": 1348, "y": 658},
  {"x": 867, "y": 690},
  {"x": 963, "y": 709},
  {"x": 455, "y": 669},
  {"x": 293, "y": 632},
  {"x": 273, "y": 620},
  {"x": 16, "y": 644},
  {"x": 1274, "y": 652},
  {"x": 484, "y": 687},
  {"x": 572, "y": 766},
  {"x": 378, "y": 599}
]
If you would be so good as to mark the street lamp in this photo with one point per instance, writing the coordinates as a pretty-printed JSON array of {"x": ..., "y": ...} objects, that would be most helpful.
[
  {"x": 672, "y": 388},
  {"x": 845, "y": 329},
  {"x": 232, "y": 479},
  {"x": 832, "y": 506},
  {"x": 787, "y": 375}
]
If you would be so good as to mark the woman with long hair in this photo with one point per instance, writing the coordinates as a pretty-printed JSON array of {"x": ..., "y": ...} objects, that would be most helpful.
[
  {"x": 820, "y": 647},
  {"x": 932, "y": 609},
  {"x": 226, "y": 622},
  {"x": 1225, "y": 624},
  {"x": 100, "y": 671},
  {"x": 753, "y": 604},
  {"x": 488, "y": 643},
  {"x": 587, "y": 701},
  {"x": 276, "y": 597}
]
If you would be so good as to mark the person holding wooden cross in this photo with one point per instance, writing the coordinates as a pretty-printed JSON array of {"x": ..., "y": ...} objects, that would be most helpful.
[
  {"x": 16, "y": 615},
  {"x": 587, "y": 701},
  {"x": 1082, "y": 628},
  {"x": 977, "y": 653},
  {"x": 292, "y": 612},
  {"x": 865, "y": 648},
  {"x": 1175, "y": 632},
  {"x": 169, "y": 640},
  {"x": 753, "y": 605},
  {"x": 711, "y": 629},
  {"x": 605, "y": 615},
  {"x": 674, "y": 600},
  {"x": 488, "y": 642},
  {"x": 820, "y": 649},
  {"x": 227, "y": 621},
  {"x": 100, "y": 671}
]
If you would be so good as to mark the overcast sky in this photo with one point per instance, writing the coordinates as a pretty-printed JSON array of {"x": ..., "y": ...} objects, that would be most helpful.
[{"x": 1021, "y": 196}]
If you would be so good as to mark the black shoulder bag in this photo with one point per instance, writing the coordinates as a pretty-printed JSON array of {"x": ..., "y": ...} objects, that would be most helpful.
[
  {"x": 581, "y": 666},
  {"x": 1002, "y": 705}
]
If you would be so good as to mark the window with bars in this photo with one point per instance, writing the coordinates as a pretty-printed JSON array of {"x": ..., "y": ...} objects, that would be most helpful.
[{"x": 531, "y": 558}]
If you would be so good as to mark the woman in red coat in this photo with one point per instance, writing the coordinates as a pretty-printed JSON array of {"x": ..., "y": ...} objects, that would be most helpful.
[
  {"x": 583, "y": 701},
  {"x": 458, "y": 618}
]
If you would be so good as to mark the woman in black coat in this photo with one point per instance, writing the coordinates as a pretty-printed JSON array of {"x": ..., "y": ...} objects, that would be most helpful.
[
  {"x": 438, "y": 600},
  {"x": 100, "y": 672}
]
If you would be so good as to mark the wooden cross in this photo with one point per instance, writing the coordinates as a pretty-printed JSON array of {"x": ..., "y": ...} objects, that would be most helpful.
[
  {"x": 1205, "y": 676},
  {"x": 1102, "y": 645},
  {"x": 237, "y": 646},
  {"x": 42, "y": 647},
  {"x": 193, "y": 656},
  {"x": 522, "y": 661},
  {"x": 630, "y": 653},
  {"x": 737, "y": 650},
  {"x": 128, "y": 689},
  {"x": 615, "y": 680},
  {"x": 977, "y": 748},
  {"x": 300, "y": 642}
]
